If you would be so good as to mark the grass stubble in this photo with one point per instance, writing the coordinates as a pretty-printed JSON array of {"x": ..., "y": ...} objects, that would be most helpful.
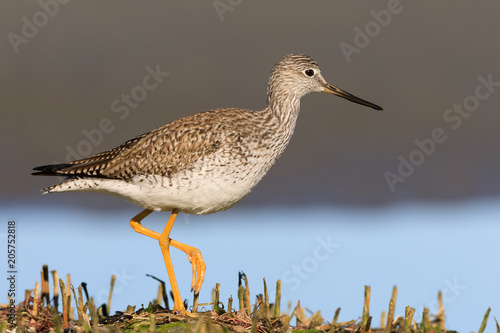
[{"x": 38, "y": 313}]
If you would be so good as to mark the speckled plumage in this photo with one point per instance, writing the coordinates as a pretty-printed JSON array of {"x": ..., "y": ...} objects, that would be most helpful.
[
  {"x": 199, "y": 164},
  {"x": 206, "y": 162}
]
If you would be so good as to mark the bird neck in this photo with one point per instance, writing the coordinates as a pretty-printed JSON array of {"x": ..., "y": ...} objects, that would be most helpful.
[
  {"x": 281, "y": 116},
  {"x": 284, "y": 108}
]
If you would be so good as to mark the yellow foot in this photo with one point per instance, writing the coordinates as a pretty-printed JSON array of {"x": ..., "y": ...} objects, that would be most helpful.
[
  {"x": 186, "y": 313},
  {"x": 198, "y": 270},
  {"x": 197, "y": 263}
]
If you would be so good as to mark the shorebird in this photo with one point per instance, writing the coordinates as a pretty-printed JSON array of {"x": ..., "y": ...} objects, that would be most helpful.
[{"x": 200, "y": 164}]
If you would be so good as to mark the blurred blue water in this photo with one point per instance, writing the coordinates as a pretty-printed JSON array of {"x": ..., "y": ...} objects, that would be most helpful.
[{"x": 323, "y": 255}]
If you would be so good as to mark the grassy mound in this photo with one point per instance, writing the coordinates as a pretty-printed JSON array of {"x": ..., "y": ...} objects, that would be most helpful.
[{"x": 37, "y": 313}]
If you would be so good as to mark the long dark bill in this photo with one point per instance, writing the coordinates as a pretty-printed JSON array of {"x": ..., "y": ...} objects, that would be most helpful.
[{"x": 342, "y": 93}]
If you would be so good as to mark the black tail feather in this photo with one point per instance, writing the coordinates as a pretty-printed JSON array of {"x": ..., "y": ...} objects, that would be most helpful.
[{"x": 50, "y": 169}]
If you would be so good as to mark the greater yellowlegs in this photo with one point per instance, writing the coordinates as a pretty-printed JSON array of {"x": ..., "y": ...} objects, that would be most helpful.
[{"x": 200, "y": 164}]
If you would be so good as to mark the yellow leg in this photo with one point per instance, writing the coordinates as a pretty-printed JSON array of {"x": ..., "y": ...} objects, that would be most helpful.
[
  {"x": 135, "y": 223},
  {"x": 194, "y": 255},
  {"x": 164, "y": 241}
]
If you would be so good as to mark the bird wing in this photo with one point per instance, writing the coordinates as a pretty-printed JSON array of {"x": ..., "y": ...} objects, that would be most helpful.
[
  {"x": 170, "y": 148},
  {"x": 110, "y": 154},
  {"x": 163, "y": 151}
]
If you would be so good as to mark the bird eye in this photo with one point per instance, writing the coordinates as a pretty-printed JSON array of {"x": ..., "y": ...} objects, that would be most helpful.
[{"x": 309, "y": 72}]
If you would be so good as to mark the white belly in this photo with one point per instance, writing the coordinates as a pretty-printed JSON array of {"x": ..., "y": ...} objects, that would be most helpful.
[{"x": 203, "y": 189}]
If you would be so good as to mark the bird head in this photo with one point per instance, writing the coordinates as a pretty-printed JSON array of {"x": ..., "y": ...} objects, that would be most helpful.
[{"x": 296, "y": 75}]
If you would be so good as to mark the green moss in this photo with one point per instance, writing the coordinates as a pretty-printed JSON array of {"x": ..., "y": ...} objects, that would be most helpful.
[{"x": 177, "y": 327}]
